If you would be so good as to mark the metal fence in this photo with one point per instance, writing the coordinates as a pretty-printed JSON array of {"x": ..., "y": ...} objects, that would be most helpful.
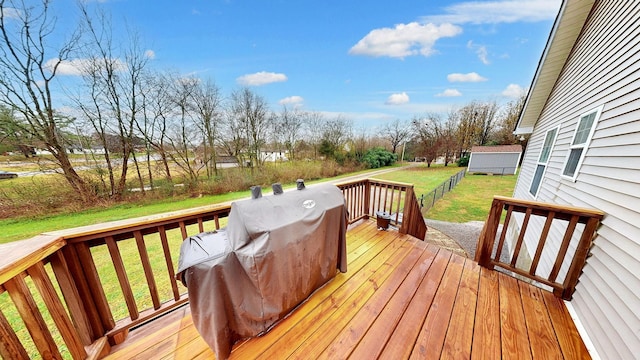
[{"x": 427, "y": 201}]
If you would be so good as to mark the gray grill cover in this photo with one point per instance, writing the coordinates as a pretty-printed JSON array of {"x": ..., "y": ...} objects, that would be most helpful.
[{"x": 275, "y": 251}]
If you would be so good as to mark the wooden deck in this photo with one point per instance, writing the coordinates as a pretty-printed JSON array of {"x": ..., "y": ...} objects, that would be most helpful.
[{"x": 401, "y": 298}]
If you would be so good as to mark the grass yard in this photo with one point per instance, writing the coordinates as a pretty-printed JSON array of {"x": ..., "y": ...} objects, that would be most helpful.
[
  {"x": 423, "y": 178},
  {"x": 469, "y": 201}
]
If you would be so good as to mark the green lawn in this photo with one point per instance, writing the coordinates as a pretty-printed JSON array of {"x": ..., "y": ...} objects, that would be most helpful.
[{"x": 470, "y": 200}]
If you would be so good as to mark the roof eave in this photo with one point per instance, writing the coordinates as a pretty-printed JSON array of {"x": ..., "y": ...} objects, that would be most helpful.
[{"x": 566, "y": 29}]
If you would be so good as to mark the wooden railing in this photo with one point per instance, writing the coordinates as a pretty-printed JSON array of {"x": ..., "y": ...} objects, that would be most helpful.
[
  {"x": 367, "y": 197},
  {"x": 97, "y": 282},
  {"x": 577, "y": 226}
]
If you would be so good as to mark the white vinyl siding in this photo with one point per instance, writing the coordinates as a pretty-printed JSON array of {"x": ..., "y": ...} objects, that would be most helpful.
[
  {"x": 541, "y": 167},
  {"x": 602, "y": 72},
  {"x": 580, "y": 142}
]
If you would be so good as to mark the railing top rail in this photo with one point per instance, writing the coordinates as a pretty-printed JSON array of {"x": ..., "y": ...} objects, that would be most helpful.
[
  {"x": 18, "y": 256},
  {"x": 126, "y": 224},
  {"x": 551, "y": 207},
  {"x": 375, "y": 181},
  {"x": 394, "y": 183}
]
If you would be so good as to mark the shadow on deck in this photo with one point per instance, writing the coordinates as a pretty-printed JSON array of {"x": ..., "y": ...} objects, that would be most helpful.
[{"x": 400, "y": 298}]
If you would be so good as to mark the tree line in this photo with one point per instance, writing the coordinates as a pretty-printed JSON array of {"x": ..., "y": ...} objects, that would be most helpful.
[{"x": 135, "y": 118}]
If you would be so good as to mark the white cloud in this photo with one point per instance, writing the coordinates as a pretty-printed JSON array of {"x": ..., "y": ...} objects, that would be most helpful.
[
  {"x": 449, "y": 93},
  {"x": 150, "y": 54},
  {"x": 398, "y": 99},
  {"x": 481, "y": 51},
  {"x": 291, "y": 100},
  {"x": 261, "y": 78},
  {"x": 78, "y": 67},
  {"x": 494, "y": 12},
  {"x": 514, "y": 91},
  {"x": 470, "y": 77},
  {"x": 10, "y": 13},
  {"x": 403, "y": 40}
]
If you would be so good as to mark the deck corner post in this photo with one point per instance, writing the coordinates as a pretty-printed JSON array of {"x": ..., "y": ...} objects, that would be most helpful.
[
  {"x": 488, "y": 234},
  {"x": 580, "y": 258}
]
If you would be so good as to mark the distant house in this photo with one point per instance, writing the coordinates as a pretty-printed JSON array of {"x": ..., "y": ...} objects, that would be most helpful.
[
  {"x": 273, "y": 155},
  {"x": 583, "y": 114},
  {"x": 502, "y": 159}
]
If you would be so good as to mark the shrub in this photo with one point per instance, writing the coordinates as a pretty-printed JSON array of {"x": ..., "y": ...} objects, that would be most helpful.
[
  {"x": 378, "y": 157},
  {"x": 463, "y": 161}
]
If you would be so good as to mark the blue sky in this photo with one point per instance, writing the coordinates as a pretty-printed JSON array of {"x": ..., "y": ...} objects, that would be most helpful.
[{"x": 372, "y": 61}]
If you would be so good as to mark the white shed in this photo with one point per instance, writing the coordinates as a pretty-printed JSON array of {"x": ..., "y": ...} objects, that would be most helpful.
[{"x": 501, "y": 159}]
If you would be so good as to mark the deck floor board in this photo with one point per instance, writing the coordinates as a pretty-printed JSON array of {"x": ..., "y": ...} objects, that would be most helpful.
[{"x": 400, "y": 298}]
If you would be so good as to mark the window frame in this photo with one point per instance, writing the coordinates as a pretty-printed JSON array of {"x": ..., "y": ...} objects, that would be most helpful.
[
  {"x": 546, "y": 162},
  {"x": 584, "y": 146}
]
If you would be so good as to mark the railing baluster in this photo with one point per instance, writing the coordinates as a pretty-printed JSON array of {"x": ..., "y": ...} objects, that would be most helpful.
[
  {"x": 183, "y": 230},
  {"x": 71, "y": 297},
  {"x": 200, "y": 225},
  {"x": 10, "y": 345},
  {"x": 33, "y": 320},
  {"x": 123, "y": 278},
  {"x": 541, "y": 242},
  {"x": 367, "y": 199},
  {"x": 518, "y": 246},
  {"x": 77, "y": 273},
  {"x": 96, "y": 291},
  {"x": 146, "y": 266},
  {"x": 217, "y": 222},
  {"x": 58, "y": 314},
  {"x": 562, "y": 252},
  {"x": 503, "y": 235},
  {"x": 169, "y": 262}
]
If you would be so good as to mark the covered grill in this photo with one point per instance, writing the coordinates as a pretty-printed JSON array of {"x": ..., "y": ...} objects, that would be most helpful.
[{"x": 275, "y": 251}]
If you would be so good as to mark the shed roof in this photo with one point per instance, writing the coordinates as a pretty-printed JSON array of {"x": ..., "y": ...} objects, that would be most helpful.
[{"x": 497, "y": 149}]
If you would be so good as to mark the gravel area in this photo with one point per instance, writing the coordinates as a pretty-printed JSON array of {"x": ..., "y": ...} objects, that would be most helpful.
[{"x": 465, "y": 234}]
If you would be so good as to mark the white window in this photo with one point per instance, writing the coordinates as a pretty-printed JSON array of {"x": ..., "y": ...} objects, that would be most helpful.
[
  {"x": 543, "y": 159},
  {"x": 580, "y": 142}
]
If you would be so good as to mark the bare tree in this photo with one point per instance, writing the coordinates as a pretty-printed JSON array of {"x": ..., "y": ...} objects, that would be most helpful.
[
  {"x": 115, "y": 81},
  {"x": 29, "y": 62},
  {"x": 156, "y": 111},
  {"x": 396, "y": 132},
  {"x": 183, "y": 136},
  {"x": 507, "y": 120},
  {"x": 485, "y": 118},
  {"x": 251, "y": 112},
  {"x": 290, "y": 126},
  {"x": 425, "y": 131},
  {"x": 207, "y": 108},
  {"x": 313, "y": 124},
  {"x": 335, "y": 134},
  {"x": 447, "y": 137}
]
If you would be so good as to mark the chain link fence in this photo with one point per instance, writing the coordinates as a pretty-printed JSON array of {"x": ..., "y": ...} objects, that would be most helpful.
[{"x": 427, "y": 201}]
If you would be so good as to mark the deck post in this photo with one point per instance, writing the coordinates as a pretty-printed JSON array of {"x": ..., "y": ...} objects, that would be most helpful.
[
  {"x": 367, "y": 199},
  {"x": 488, "y": 235},
  {"x": 580, "y": 258}
]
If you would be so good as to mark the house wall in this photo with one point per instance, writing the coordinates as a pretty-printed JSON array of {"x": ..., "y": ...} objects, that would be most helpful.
[
  {"x": 603, "y": 69},
  {"x": 494, "y": 163}
]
